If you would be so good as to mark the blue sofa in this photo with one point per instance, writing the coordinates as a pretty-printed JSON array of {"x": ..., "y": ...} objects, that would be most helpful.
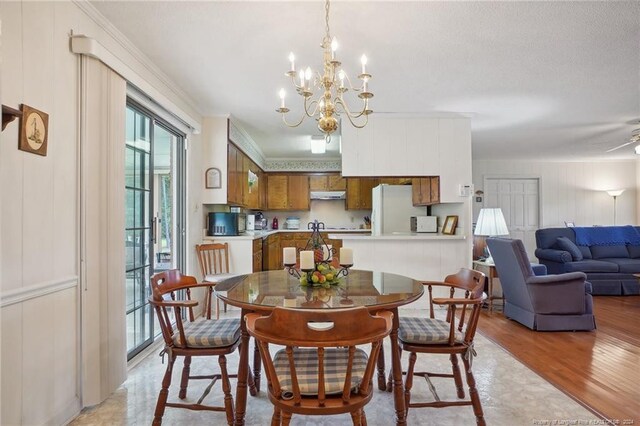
[{"x": 609, "y": 264}]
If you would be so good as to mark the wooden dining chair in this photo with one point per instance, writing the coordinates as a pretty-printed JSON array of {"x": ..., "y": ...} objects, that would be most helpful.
[
  {"x": 188, "y": 338},
  {"x": 452, "y": 336},
  {"x": 213, "y": 259},
  {"x": 320, "y": 371}
]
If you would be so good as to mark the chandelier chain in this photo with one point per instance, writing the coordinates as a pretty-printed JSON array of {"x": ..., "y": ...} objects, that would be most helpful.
[{"x": 326, "y": 20}]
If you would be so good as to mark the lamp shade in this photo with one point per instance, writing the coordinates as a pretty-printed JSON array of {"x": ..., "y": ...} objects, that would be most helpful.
[
  {"x": 615, "y": 192},
  {"x": 491, "y": 223}
]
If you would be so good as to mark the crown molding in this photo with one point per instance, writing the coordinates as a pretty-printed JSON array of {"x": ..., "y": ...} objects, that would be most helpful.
[
  {"x": 245, "y": 142},
  {"x": 293, "y": 165},
  {"x": 111, "y": 30}
]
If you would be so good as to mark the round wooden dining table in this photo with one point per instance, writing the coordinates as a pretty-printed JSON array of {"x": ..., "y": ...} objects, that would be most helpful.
[{"x": 262, "y": 291}]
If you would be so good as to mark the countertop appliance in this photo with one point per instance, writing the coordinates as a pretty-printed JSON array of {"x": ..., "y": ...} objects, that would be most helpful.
[
  {"x": 392, "y": 208},
  {"x": 226, "y": 224},
  {"x": 260, "y": 222},
  {"x": 424, "y": 224},
  {"x": 251, "y": 222}
]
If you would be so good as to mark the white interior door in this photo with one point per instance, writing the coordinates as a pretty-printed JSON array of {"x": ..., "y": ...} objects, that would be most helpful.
[{"x": 519, "y": 199}]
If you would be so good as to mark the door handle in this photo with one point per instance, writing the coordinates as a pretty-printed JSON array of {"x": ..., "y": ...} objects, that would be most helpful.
[{"x": 154, "y": 229}]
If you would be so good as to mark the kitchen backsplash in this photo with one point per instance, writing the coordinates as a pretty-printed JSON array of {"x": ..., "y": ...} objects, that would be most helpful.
[{"x": 331, "y": 212}]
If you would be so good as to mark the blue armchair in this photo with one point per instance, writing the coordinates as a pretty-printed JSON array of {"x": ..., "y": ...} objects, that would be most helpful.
[{"x": 544, "y": 303}]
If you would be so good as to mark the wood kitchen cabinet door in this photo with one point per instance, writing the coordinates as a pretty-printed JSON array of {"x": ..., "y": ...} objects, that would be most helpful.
[
  {"x": 252, "y": 193},
  {"x": 257, "y": 255},
  {"x": 298, "y": 192},
  {"x": 426, "y": 191},
  {"x": 359, "y": 193},
  {"x": 277, "y": 192},
  {"x": 288, "y": 192},
  {"x": 336, "y": 183},
  {"x": 232, "y": 171},
  {"x": 318, "y": 182}
]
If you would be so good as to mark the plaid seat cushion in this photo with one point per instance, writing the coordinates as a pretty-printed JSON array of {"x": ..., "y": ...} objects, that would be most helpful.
[
  {"x": 306, "y": 362},
  {"x": 426, "y": 331},
  {"x": 210, "y": 333}
]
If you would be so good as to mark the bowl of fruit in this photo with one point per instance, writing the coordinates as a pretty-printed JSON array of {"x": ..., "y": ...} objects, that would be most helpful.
[{"x": 323, "y": 275}]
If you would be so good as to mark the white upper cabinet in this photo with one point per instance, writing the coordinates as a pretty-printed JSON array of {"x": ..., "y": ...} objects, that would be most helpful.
[{"x": 392, "y": 145}]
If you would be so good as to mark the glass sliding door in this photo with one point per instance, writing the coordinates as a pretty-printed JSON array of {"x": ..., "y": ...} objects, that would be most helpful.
[{"x": 154, "y": 220}]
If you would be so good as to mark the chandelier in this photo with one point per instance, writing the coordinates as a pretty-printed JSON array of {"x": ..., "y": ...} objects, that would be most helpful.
[{"x": 330, "y": 86}]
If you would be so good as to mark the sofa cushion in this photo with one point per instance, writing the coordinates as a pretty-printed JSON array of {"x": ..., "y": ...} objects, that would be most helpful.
[
  {"x": 546, "y": 238},
  {"x": 586, "y": 252},
  {"x": 563, "y": 243},
  {"x": 626, "y": 266},
  {"x": 634, "y": 251},
  {"x": 608, "y": 252},
  {"x": 590, "y": 266}
]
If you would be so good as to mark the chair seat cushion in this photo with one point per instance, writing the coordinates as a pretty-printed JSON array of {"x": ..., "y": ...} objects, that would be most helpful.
[
  {"x": 216, "y": 278},
  {"x": 306, "y": 363},
  {"x": 209, "y": 333},
  {"x": 426, "y": 331}
]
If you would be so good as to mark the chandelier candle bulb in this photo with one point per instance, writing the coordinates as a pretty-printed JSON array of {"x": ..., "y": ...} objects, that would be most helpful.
[
  {"x": 334, "y": 47},
  {"x": 346, "y": 256},
  {"x": 282, "y": 93},
  {"x": 363, "y": 61},
  {"x": 306, "y": 260},
  {"x": 289, "y": 255},
  {"x": 301, "y": 78},
  {"x": 292, "y": 60}
]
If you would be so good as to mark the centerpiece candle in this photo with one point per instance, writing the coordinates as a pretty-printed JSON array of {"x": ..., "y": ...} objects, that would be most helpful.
[
  {"x": 306, "y": 260},
  {"x": 289, "y": 255},
  {"x": 346, "y": 256}
]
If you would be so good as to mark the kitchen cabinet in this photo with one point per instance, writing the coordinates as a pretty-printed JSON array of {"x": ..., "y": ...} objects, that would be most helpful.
[
  {"x": 253, "y": 198},
  {"x": 271, "y": 253},
  {"x": 288, "y": 192},
  {"x": 234, "y": 194},
  {"x": 426, "y": 191},
  {"x": 257, "y": 255},
  {"x": 359, "y": 193},
  {"x": 327, "y": 182}
]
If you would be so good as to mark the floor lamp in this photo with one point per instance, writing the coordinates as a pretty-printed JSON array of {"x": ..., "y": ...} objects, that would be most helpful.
[
  {"x": 615, "y": 193},
  {"x": 490, "y": 223}
]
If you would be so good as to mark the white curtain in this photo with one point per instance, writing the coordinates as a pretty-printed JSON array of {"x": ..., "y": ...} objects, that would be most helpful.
[{"x": 102, "y": 134}]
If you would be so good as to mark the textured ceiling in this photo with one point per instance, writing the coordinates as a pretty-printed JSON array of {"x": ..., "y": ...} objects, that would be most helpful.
[{"x": 543, "y": 80}]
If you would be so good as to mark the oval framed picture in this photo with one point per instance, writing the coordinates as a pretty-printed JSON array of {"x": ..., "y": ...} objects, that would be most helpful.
[{"x": 34, "y": 130}]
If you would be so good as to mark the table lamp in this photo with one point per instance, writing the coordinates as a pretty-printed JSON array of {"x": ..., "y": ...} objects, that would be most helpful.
[{"x": 490, "y": 223}]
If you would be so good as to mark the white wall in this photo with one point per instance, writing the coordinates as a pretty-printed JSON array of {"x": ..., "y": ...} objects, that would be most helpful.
[
  {"x": 40, "y": 228},
  {"x": 572, "y": 191}
]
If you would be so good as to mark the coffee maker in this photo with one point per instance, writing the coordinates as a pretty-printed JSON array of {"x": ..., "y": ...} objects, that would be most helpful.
[{"x": 260, "y": 222}]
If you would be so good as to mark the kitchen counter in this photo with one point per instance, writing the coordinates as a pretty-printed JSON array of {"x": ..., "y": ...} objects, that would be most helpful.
[
  {"x": 253, "y": 235},
  {"x": 397, "y": 236}
]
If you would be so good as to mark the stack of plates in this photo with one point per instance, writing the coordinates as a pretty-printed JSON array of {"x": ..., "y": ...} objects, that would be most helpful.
[{"x": 293, "y": 223}]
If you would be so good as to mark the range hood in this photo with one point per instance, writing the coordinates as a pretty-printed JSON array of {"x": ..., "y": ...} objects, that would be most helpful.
[{"x": 328, "y": 195}]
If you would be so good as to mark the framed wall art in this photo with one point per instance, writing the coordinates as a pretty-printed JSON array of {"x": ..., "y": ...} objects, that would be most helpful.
[
  {"x": 34, "y": 130},
  {"x": 212, "y": 178},
  {"x": 449, "y": 227}
]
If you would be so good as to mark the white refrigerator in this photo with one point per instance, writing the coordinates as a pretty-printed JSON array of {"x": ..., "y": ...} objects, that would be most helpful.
[{"x": 392, "y": 208}]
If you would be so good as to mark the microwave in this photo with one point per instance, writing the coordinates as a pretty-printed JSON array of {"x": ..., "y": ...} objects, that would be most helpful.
[
  {"x": 226, "y": 224},
  {"x": 424, "y": 224}
]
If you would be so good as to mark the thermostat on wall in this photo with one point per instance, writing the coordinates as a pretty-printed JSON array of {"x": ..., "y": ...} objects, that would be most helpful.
[{"x": 465, "y": 190}]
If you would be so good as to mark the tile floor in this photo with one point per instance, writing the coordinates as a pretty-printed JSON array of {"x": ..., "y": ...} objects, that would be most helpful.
[{"x": 511, "y": 395}]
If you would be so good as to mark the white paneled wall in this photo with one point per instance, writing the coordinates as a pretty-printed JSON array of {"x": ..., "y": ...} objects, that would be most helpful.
[
  {"x": 40, "y": 230},
  {"x": 571, "y": 191}
]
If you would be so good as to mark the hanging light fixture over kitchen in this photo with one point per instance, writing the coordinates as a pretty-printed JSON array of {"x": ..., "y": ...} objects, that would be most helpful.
[{"x": 331, "y": 86}]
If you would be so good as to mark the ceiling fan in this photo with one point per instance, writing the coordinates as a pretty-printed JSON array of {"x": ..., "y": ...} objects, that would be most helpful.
[{"x": 635, "y": 138}]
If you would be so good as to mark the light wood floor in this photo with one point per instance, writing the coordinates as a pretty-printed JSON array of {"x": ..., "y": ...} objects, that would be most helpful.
[{"x": 600, "y": 369}]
